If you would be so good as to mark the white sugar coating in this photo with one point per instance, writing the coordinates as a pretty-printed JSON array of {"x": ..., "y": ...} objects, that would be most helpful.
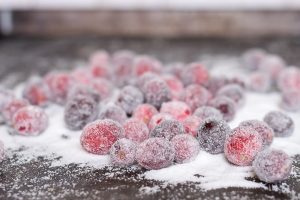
[
  {"x": 186, "y": 148},
  {"x": 212, "y": 134},
  {"x": 289, "y": 78},
  {"x": 234, "y": 92},
  {"x": 291, "y": 100},
  {"x": 204, "y": 112},
  {"x": 122, "y": 152},
  {"x": 282, "y": 124},
  {"x": 273, "y": 65},
  {"x": 157, "y": 119},
  {"x": 214, "y": 170},
  {"x": 129, "y": 98},
  {"x": 272, "y": 165},
  {"x": 136, "y": 130}
]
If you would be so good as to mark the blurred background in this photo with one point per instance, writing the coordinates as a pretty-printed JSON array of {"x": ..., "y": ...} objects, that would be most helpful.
[{"x": 151, "y": 18}]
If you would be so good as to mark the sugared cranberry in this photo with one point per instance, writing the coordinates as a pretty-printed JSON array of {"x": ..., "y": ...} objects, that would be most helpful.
[
  {"x": 136, "y": 130},
  {"x": 129, "y": 98},
  {"x": 12, "y": 107},
  {"x": 226, "y": 106},
  {"x": 83, "y": 90},
  {"x": 143, "y": 64},
  {"x": 144, "y": 112},
  {"x": 114, "y": 112},
  {"x": 215, "y": 83},
  {"x": 155, "y": 153},
  {"x": 212, "y": 134},
  {"x": 272, "y": 165},
  {"x": 30, "y": 120},
  {"x": 196, "y": 96},
  {"x": 234, "y": 92},
  {"x": 291, "y": 100},
  {"x": 194, "y": 73},
  {"x": 99, "y": 64},
  {"x": 175, "y": 85},
  {"x": 122, "y": 152},
  {"x": 262, "y": 129},
  {"x": 174, "y": 69},
  {"x": 37, "y": 92},
  {"x": 273, "y": 65},
  {"x": 186, "y": 148},
  {"x": 59, "y": 84},
  {"x": 157, "y": 119},
  {"x": 289, "y": 79},
  {"x": 82, "y": 75},
  {"x": 178, "y": 109},
  {"x": 242, "y": 145},
  {"x": 156, "y": 92},
  {"x": 191, "y": 124},
  {"x": 103, "y": 87},
  {"x": 282, "y": 125},
  {"x": 252, "y": 58},
  {"x": 168, "y": 129},
  {"x": 143, "y": 79},
  {"x": 79, "y": 111},
  {"x": 98, "y": 137},
  {"x": 205, "y": 112},
  {"x": 259, "y": 82}
]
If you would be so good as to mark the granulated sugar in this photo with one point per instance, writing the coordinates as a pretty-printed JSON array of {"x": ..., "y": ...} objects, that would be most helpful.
[{"x": 209, "y": 171}]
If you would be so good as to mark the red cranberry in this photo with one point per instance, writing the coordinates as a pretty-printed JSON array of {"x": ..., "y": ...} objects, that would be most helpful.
[
  {"x": 168, "y": 129},
  {"x": 175, "y": 85},
  {"x": 226, "y": 106},
  {"x": 234, "y": 92},
  {"x": 205, "y": 112},
  {"x": 98, "y": 136},
  {"x": 194, "y": 73},
  {"x": 157, "y": 119},
  {"x": 282, "y": 125},
  {"x": 191, "y": 124},
  {"x": 259, "y": 82},
  {"x": 136, "y": 130},
  {"x": 178, "y": 109},
  {"x": 129, "y": 98},
  {"x": 143, "y": 64},
  {"x": 144, "y": 112},
  {"x": 122, "y": 152},
  {"x": 289, "y": 79},
  {"x": 99, "y": 64},
  {"x": 273, "y": 65},
  {"x": 12, "y": 107},
  {"x": 114, "y": 112},
  {"x": 196, "y": 96},
  {"x": 252, "y": 58},
  {"x": 291, "y": 100}
]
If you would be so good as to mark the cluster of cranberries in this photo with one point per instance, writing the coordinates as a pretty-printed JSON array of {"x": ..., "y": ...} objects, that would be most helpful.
[
  {"x": 135, "y": 110},
  {"x": 269, "y": 72}
]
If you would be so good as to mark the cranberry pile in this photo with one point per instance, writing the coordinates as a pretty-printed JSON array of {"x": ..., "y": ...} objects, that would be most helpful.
[{"x": 138, "y": 111}]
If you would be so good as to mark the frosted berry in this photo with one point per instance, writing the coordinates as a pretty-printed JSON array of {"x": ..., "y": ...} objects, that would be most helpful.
[
  {"x": 175, "y": 85},
  {"x": 196, "y": 96},
  {"x": 205, "y": 112},
  {"x": 194, "y": 73},
  {"x": 79, "y": 111},
  {"x": 114, "y": 112},
  {"x": 272, "y": 165},
  {"x": 59, "y": 84},
  {"x": 174, "y": 69},
  {"x": 129, "y": 98},
  {"x": 103, "y": 87},
  {"x": 12, "y": 107},
  {"x": 291, "y": 100},
  {"x": 242, "y": 145},
  {"x": 259, "y": 82},
  {"x": 156, "y": 91},
  {"x": 122, "y": 152},
  {"x": 82, "y": 75},
  {"x": 155, "y": 153},
  {"x": 123, "y": 66},
  {"x": 98, "y": 137},
  {"x": 83, "y": 90},
  {"x": 2, "y": 151},
  {"x": 191, "y": 124},
  {"x": 226, "y": 106},
  {"x": 178, "y": 109},
  {"x": 234, "y": 92},
  {"x": 282, "y": 125},
  {"x": 252, "y": 58},
  {"x": 157, "y": 119},
  {"x": 262, "y": 129},
  {"x": 100, "y": 64},
  {"x": 136, "y": 130},
  {"x": 143, "y": 79},
  {"x": 144, "y": 112},
  {"x": 273, "y": 65},
  {"x": 289, "y": 79},
  {"x": 215, "y": 83},
  {"x": 186, "y": 148},
  {"x": 30, "y": 120},
  {"x": 37, "y": 92},
  {"x": 168, "y": 129},
  {"x": 143, "y": 64},
  {"x": 212, "y": 134}
]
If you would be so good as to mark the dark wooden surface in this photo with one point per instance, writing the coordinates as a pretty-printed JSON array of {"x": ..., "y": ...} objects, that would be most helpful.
[
  {"x": 166, "y": 23},
  {"x": 37, "y": 179}
]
